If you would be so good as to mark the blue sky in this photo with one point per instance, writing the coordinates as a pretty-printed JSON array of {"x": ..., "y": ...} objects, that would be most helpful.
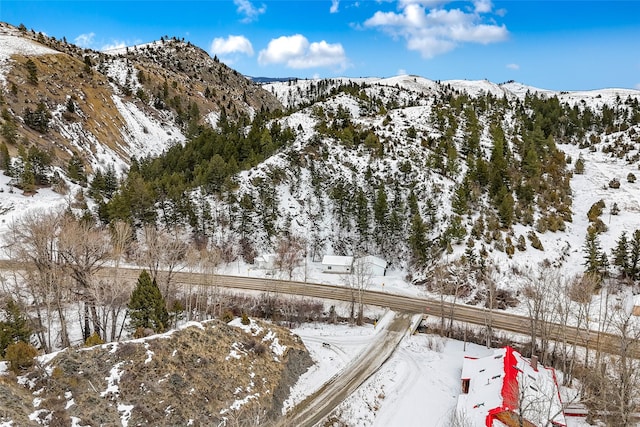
[{"x": 560, "y": 45}]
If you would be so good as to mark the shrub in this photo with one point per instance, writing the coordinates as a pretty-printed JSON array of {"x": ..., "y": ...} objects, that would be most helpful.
[
  {"x": 509, "y": 249},
  {"x": 535, "y": 241},
  {"x": 94, "y": 339},
  {"x": 245, "y": 319},
  {"x": 614, "y": 183},
  {"x": 631, "y": 177},
  {"x": 227, "y": 316},
  {"x": 615, "y": 210},
  {"x": 20, "y": 356},
  {"x": 597, "y": 226},
  {"x": 541, "y": 225},
  {"x": 595, "y": 210},
  {"x": 579, "y": 168},
  {"x": 260, "y": 349}
]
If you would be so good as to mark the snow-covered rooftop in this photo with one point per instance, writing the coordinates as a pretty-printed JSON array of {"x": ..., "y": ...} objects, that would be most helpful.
[
  {"x": 507, "y": 382},
  {"x": 337, "y": 260}
]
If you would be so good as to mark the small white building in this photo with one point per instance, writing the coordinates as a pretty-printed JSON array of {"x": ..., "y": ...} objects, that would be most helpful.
[
  {"x": 337, "y": 264},
  {"x": 374, "y": 265}
]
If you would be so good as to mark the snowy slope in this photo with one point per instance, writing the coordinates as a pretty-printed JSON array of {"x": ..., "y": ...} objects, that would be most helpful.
[{"x": 12, "y": 44}]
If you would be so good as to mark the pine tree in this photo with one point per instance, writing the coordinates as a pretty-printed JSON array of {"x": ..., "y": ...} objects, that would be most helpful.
[
  {"x": 593, "y": 253},
  {"x": 147, "y": 306},
  {"x": 5, "y": 158},
  {"x": 32, "y": 71},
  {"x": 76, "y": 171},
  {"x": 621, "y": 253},
  {"x": 418, "y": 242},
  {"x": 498, "y": 174},
  {"x": 362, "y": 214},
  {"x": 381, "y": 213},
  {"x": 9, "y": 129},
  {"x": 14, "y": 327},
  {"x": 505, "y": 207},
  {"x": 27, "y": 179},
  {"x": 634, "y": 255},
  {"x": 459, "y": 202}
]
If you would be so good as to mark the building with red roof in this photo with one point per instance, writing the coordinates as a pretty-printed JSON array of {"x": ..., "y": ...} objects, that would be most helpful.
[{"x": 507, "y": 389}]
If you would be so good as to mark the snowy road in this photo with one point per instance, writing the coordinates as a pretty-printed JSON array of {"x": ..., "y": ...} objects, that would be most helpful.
[{"x": 317, "y": 406}]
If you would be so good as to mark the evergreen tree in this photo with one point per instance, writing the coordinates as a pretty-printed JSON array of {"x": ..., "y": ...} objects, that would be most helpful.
[
  {"x": 592, "y": 253},
  {"x": 418, "y": 243},
  {"x": 75, "y": 170},
  {"x": 147, "y": 308},
  {"x": 32, "y": 71},
  {"x": 634, "y": 255},
  {"x": 505, "y": 207},
  {"x": 110, "y": 181},
  {"x": 27, "y": 179},
  {"x": 621, "y": 253},
  {"x": 38, "y": 119},
  {"x": 459, "y": 203},
  {"x": 498, "y": 174},
  {"x": 14, "y": 327},
  {"x": 362, "y": 214},
  {"x": 471, "y": 142},
  {"x": 5, "y": 158},
  {"x": 9, "y": 129},
  {"x": 381, "y": 210}
]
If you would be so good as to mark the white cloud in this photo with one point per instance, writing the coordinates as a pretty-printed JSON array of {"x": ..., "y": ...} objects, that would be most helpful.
[
  {"x": 230, "y": 45},
  {"x": 283, "y": 49},
  {"x": 84, "y": 40},
  {"x": 401, "y": 72},
  {"x": 250, "y": 12},
  {"x": 296, "y": 52},
  {"x": 335, "y": 4},
  {"x": 638, "y": 86},
  {"x": 513, "y": 66},
  {"x": 482, "y": 6},
  {"x": 431, "y": 29}
]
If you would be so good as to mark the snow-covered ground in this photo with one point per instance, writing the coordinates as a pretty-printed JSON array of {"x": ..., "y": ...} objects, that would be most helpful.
[{"x": 418, "y": 386}]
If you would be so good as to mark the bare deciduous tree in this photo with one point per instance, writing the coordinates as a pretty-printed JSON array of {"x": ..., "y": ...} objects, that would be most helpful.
[
  {"x": 33, "y": 239},
  {"x": 358, "y": 281},
  {"x": 576, "y": 303},
  {"x": 611, "y": 388},
  {"x": 289, "y": 254},
  {"x": 84, "y": 248},
  {"x": 121, "y": 238},
  {"x": 163, "y": 255},
  {"x": 540, "y": 291}
]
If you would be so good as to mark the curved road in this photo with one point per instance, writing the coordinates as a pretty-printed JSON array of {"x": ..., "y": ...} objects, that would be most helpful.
[
  {"x": 592, "y": 339},
  {"x": 320, "y": 404}
]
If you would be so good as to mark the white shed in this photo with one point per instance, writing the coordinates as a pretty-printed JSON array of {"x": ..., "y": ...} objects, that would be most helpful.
[
  {"x": 375, "y": 265},
  {"x": 337, "y": 264}
]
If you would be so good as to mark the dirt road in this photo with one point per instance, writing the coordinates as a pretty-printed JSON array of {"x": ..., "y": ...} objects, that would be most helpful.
[{"x": 320, "y": 404}]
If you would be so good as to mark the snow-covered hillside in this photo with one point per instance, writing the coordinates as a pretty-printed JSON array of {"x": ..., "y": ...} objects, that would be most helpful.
[
  {"x": 11, "y": 43},
  {"x": 414, "y": 98}
]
